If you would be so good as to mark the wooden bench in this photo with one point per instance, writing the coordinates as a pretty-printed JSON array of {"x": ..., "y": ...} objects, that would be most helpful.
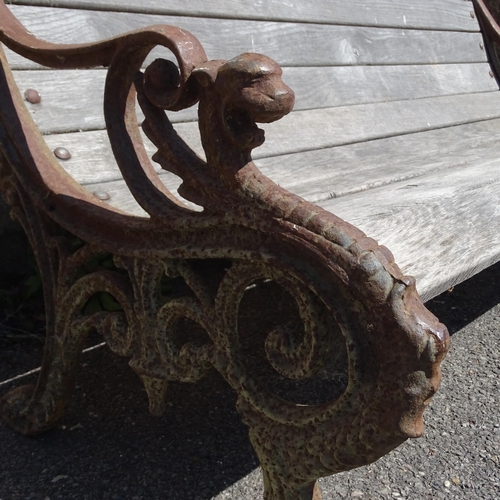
[{"x": 394, "y": 130}]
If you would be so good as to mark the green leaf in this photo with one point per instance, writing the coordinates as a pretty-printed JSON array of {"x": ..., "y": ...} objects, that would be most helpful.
[
  {"x": 92, "y": 306},
  {"x": 109, "y": 303},
  {"x": 33, "y": 284}
]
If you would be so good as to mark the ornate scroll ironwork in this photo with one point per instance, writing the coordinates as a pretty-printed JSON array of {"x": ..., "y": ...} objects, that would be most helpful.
[{"x": 354, "y": 316}]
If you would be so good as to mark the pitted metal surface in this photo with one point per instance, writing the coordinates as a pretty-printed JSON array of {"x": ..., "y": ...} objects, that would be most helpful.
[{"x": 350, "y": 295}]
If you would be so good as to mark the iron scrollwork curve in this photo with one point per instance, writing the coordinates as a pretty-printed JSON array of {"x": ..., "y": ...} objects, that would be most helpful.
[{"x": 350, "y": 296}]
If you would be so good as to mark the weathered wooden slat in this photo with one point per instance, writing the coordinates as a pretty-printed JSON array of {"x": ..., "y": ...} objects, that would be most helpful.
[
  {"x": 92, "y": 160},
  {"x": 291, "y": 44},
  {"x": 323, "y": 128},
  {"x": 428, "y": 14},
  {"x": 327, "y": 173},
  {"x": 341, "y": 86},
  {"x": 442, "y": 228},
  {"x": 120, "y": 196},
  {"x": 306, "y": 130},
  {"x": 330, "y": 173},
  {"x": 441, "y": 187},
  {"x": 334, "y": 172},
  {"x": 72, "y": 100}
]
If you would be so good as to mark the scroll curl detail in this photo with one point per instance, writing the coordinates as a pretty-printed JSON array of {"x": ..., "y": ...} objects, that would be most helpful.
[{"x": 344, "y": 284}]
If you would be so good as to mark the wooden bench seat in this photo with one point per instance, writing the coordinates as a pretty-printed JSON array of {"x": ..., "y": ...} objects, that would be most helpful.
[
  {"x": 377, "y": 104},
  {"x": 394, "y": 130}
]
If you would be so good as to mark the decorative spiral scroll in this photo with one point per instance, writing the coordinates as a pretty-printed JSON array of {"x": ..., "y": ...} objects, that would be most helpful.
[
  {"x": 350, "y": 296},
  {"x": 185, "y": 361}
]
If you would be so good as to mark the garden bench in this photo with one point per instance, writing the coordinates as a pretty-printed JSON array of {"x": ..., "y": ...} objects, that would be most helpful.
[{"x": 394, "y": 131}]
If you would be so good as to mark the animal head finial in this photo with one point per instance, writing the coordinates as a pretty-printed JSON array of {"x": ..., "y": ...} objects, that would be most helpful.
[{"x": 242, "y": 92}]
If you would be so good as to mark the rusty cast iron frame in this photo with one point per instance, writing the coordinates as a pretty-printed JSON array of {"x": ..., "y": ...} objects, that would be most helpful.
[
  {"x": 354, "y": 306},
  {"x": 488, "y": 15}
]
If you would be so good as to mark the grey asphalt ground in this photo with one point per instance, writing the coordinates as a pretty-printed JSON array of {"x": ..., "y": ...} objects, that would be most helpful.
[{"x": 108, "y": 447}]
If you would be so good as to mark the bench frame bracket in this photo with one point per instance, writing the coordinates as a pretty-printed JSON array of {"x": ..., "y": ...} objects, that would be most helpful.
[{"x": 353, "y": 312}]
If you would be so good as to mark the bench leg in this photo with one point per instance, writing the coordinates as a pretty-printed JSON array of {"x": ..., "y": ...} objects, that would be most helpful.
[
  {"x": 30, "y": 409},
  {"x": 279, "y": 482},
  {"x": 389, "y": 378},
  {"x": 288, "y": 474},
  {"x": 354, "y": 311},
  {"x": 277, "y": 487},
  {"x": 62, "y": 261},
  {"x": 156, "y": 390}
]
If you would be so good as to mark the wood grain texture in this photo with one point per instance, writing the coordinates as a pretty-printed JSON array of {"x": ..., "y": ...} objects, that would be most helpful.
[
  {"x": 334, "y": 172},
  {"x": 394, "y": 130},
  {"x": 428, "y": 14},
  {"x": 73, "y": 100},
  {"x": 120, "y": 196},
  {"x": 306, "y": 131},
  {"x": 442, "y": 228},
  {"x": 92, "y": 160},
  {"x": 340, "y": 86},
  {"x": 324, "y": 128},
  {"x": 291, "y": 44},
  {"x": 321, "y": 175}
]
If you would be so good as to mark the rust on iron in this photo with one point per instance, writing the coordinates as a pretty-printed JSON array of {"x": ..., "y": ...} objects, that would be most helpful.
[
  {"x": 346, "y": 290},
  {"x": 488, "y": 14},
  {"x": 33, "y": 96}
]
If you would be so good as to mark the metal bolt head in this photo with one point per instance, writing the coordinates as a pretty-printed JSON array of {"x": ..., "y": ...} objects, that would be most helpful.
[
  {"x": 33, "y": 96},
  {"x": 102, "y": 195},
  {"x": 62, "y": 153}
]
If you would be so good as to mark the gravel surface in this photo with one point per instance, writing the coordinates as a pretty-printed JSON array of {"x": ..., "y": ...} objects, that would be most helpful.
[{"x": 108, "y": 447}]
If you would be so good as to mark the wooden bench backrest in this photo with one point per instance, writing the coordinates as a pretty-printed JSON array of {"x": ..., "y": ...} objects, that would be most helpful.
[
  {"x": 333, "y": 53},
  {"x": 386, "y": 90}
]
